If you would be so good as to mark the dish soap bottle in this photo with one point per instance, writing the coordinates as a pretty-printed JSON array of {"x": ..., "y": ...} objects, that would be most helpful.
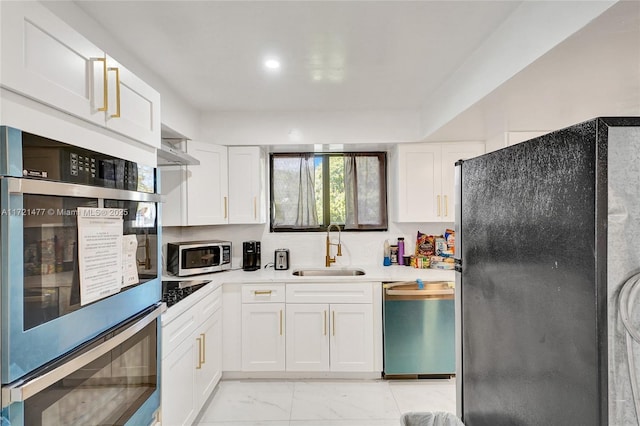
[
  {"x": 400, "y": 251},
  {"x": 387, "y": 254}
]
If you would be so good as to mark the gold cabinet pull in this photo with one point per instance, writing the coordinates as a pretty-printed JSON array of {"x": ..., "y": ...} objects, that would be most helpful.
[
  {"x": 333, "y": 322},
  {"x": 255, "y": 207},
  {"x": 324, "y": 324},
  {"x": 199, "y": 353},
  {"x": 446, "y": 206},
  {"x": 281, "y": 322},
  {"x": 225, "y": 207},
  {"x": 262, "y": 292},
  {"x": 117, "y": 71},
  {"x": 438, "y": 205},
  {"x": 105, "y": 89},
  {"x": 204, "y": 347}
]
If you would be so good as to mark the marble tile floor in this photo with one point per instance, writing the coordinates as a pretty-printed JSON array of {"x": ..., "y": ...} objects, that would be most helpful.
[{"x": 324, "y": 402}]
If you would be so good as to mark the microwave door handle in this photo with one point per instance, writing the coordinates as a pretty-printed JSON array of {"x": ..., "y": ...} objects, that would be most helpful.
[
  {"x": 25, "y": 390},
  {"x": 45, "y": 187}
]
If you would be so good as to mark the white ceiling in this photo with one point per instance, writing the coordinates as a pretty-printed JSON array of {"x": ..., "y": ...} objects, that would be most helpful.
[
  {"x": 336, "y": 55},
  {"x": 374, "y": 55}
]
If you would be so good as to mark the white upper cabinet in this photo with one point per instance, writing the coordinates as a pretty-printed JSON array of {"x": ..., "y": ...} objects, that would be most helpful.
[
  {"x": 227, "y": 187},
  {"x": 207, "y": 185},
  {"x": 196, "y": 195},
  {"x": 46, "y": 60},
  {"x": 247, "y": 194},
  {"x": 133, "y": 107},
  {"x": 424, "y": 184}
]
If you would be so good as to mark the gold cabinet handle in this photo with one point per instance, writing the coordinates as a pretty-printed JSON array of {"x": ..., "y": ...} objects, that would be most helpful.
[
  {"x": 225, "y": 207},
  {"x": 199, "y": 353},
  {"x": 281, "y": 322},
  {"x": 446, "y": 206},
  {"x": 324, "y": 324},
  {"x": 105, "y": 94},
  {"x": 262, "y": 292},
  {"x": 333, "y": 322},
  {"x": 117, "y": 71},
  {"x": 255, "y": 207},
  {"x": 438, "y": 205},
  {"x": 204, "y": 347}
]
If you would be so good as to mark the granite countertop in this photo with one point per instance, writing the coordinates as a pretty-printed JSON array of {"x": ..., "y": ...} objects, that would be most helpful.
[{"x": 372, "y": 273}]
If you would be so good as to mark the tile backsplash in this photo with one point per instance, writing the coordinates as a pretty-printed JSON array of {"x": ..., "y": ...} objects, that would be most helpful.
[{"x": 307, "y": 248}]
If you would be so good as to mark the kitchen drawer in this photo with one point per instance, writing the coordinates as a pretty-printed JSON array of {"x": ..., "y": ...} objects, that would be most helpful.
[
  {"x": 177, "y": 330},
  {"x": 263, "y": 293},
  {"x": 207, "y": 306},
  {"x": 330, "y": 293}
]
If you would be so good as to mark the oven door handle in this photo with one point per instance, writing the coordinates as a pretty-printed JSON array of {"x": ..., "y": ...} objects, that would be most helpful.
[
  {"x": 46, "y": 187},
  {"x": 23, "y": 390}
]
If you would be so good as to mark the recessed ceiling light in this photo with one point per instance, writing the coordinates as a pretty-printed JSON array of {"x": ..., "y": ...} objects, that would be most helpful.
[{"x": 272, "y": 64}]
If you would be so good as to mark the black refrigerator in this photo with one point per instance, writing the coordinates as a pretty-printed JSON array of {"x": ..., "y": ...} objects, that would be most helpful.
[{"x": 547, "y": 234}]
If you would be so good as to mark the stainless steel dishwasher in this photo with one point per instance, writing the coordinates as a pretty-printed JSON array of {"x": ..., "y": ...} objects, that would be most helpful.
[{"x": 419, "y": 329}]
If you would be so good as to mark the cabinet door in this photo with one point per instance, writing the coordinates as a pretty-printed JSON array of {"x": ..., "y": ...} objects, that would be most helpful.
[
  {"x": 180, "y": 403},
  {"x": 419, "y": 183},
  {"x": 246, "y": 185},
  {"x": 263, "y": 337},
  {"x": 133, "y": 105},
  {"x": 207, "y": 201},
  {"x": 45, "y": 59},
  {"x": 210, "y": 370},
  {"x": 307, "y": 337},
  {"x": 351, "y": 340},
  {"x": 450, "y": 154}
]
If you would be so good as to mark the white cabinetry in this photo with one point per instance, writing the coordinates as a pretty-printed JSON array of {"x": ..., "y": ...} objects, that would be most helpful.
[
  {"x": 191, "y": 358},
  {"x": 227, "y": 187},
  {"x": 329, "y": 337},
  {"x": 263, "y": 327},
  {"x": 247, "y": 195},
  {"x": 425, "y": 179},
  {"x": 46, "y": 60},
  {"x": 333, "y": 336},
  {"x": 197, "y": 195}
]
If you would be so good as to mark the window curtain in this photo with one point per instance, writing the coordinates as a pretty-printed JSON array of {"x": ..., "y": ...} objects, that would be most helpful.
[
  {"x": 307, "y": 213},
  {"x": 294, "y": 202},
  {"x": 365, "y": 191}
]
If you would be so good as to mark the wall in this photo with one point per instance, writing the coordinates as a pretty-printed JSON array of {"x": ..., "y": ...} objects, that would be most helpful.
[
  {"x": 319, "y": 127},
  {"x": 520, "y": 40},
  {"x": 308, "y": 248}
]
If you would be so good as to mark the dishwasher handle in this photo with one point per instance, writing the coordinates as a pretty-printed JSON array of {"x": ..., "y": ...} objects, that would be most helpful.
[{"x": 420, "y": 293}]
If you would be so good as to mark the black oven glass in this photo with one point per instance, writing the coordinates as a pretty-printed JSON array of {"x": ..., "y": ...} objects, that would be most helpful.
[
  {"x": 107, "y": 391},
  {"x": 50, "y": 235},
  {"x": 200, "y": 257},
  {"x": 51, "y": 283}
]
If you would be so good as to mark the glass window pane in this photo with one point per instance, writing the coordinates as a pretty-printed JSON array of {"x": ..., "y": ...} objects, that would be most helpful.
[{"x": 336, "y": 190}]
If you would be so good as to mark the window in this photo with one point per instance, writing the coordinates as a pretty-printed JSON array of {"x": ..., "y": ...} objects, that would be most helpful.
[{"x": 309, "y": 191}]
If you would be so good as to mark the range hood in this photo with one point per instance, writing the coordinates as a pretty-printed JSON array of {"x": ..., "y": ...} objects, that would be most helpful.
[{"x": 170, "y": 155}]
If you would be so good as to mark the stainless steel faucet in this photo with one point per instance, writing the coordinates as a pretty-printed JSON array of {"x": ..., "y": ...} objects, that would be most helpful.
[{"x": 328, "y": 259}]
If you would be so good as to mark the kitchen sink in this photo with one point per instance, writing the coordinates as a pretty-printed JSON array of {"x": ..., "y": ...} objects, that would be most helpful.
[{"x": 328, "y": 272}]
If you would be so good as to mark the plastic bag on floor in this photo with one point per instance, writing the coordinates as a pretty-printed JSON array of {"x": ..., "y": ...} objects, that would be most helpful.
[{"x": 435, "y": 418}]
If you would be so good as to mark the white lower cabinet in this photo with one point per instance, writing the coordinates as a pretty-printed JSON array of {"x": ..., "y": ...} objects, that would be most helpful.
[
  {"x": 351, "y": 340},
  {"x": 191, "y": 359},
  {"x": 263, "y": 337},
  {"x": 263, "y": 327},
  {"x": 329, "y": 337},
  {"x": 314, "y": 327},
  {"x": 307, "y": 337}
]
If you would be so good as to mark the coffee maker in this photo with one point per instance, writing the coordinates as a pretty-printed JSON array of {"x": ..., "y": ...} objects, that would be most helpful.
[{"x": 251, "y": 255}]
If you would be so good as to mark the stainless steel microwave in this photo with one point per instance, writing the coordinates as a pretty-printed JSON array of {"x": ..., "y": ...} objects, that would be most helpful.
[{"x": 198, "y": 257}]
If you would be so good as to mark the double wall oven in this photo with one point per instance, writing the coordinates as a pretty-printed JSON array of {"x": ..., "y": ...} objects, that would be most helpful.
[{"x": 79, "y": 282}]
